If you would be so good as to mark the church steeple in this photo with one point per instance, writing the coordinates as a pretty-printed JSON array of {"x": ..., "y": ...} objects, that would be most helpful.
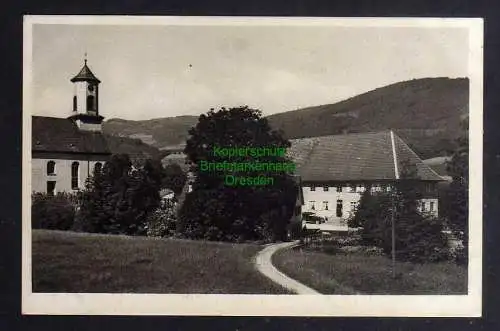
[{"x": 85, "y": 111}]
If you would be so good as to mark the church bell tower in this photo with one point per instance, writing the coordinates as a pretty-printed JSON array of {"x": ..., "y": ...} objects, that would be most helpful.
[{"x": 85, "y": 111}]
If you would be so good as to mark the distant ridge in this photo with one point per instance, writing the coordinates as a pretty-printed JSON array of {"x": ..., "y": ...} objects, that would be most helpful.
[{"x": 425, "y": 113}]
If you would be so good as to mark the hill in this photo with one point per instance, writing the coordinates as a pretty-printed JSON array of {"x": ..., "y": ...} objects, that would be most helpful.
[
  {"x": 135, "y": 148},
  {"x": 163, "y": 133},
  {"x": 426, "y": 113}
]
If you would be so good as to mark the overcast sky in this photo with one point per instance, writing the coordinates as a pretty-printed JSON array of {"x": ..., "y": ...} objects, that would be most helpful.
[{"x": 162, "y": 71}]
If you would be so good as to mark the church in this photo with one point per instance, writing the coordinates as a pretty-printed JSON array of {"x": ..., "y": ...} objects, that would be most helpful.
[{"x": 66, "y": 151}]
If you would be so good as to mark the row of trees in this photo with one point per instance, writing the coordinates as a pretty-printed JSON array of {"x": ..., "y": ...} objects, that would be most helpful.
[{"x": 120, "y": 198}]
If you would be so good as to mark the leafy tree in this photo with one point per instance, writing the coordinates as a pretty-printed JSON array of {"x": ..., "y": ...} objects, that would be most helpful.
[
  {"x": 419, "y": 237},
  {"x": 215, "y": 211},
  {"x": 120, "y": 198}
]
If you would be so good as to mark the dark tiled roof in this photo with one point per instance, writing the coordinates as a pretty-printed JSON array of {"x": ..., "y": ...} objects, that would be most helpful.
[
  {"x": 61, "y": 135},
  {"x": 85, "y": 75},
  {"x": 353, "y": 157}
]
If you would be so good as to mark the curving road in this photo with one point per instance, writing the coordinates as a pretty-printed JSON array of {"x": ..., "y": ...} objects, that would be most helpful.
[{"x": 265, "y": 266}]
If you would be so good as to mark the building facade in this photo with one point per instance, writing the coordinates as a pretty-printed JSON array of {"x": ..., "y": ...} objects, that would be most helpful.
[
  {"x": 336, "y": 170},
  {"x": 66, "y": 151}
]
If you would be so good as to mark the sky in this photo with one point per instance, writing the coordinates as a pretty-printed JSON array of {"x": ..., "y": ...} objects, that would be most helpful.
[{"x": 163, "y": 71}]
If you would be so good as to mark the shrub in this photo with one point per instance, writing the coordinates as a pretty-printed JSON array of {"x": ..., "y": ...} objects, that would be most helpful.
[
  {"x": 161, "y": 223},
  {"x": 52, "y": 212}
]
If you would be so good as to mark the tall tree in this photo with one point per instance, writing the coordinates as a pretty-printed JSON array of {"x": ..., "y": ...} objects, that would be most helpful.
[
  {"x": 220, "y": 212},
  {"x": 119, "y": 198}
]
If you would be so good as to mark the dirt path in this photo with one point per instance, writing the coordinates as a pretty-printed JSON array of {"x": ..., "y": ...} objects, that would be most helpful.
[{"x": 265, "y": 266}]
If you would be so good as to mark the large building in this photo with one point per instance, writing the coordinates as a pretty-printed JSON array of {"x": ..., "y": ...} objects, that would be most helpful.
[
  {"x": 336, "y": 170},
  {"x": 66, "y": 151}
]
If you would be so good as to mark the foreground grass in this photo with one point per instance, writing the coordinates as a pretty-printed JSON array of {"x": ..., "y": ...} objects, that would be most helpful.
[
  {"x": 357, "y": 273},
  {"x": 71, "y": 262}
]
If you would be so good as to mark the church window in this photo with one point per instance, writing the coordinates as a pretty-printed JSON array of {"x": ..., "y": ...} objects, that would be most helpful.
[
  {"x": 90, "y": 103},
  {"x": 74, "y": 103},
  {"x": 51, "y": 188},
  {"x": 51, "y": 168},
  {"x": 75, "y": 174}
]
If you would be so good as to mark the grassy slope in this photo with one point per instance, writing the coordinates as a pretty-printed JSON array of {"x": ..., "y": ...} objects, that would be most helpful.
[
  {"x": 71, "y": 262},
  {"x": 347, "y": 274}
]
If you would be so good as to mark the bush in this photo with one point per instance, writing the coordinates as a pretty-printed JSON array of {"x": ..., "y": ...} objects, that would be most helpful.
[
  {"x": 52, "y": 212},
  {"x": 161, "y": 223}
]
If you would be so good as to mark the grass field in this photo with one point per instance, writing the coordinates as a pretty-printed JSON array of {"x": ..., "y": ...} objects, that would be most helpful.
[
  {"x": 358, "y": 273},
  {"x": 72, "y": 262}
]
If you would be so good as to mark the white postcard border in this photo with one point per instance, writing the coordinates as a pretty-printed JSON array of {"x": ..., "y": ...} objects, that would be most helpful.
[{"x": 267, "y": 305}]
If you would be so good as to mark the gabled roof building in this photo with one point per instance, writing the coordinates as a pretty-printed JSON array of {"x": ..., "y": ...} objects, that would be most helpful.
[{"x": 336, "y": 170}]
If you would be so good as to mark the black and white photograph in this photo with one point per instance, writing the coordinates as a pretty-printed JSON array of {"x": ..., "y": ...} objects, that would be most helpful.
[{"x": 251, "y": 166}]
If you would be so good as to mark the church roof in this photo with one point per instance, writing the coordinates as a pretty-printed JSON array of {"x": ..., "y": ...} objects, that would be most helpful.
[
  {"x": 61, "y": 135},
  {"x": 85, "y": 75},
  {"x": 355, "y": 157}
]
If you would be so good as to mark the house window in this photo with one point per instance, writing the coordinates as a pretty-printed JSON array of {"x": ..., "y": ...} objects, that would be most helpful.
[
  {"x": 51, "y": 188},
  {"x": 313, "y": 188},
  {"x": 339, "y": 188},
  {"x": 90, "y": 102},
  {"x": 325, "y": 188},
  {"x": 325, "y": 205},
  {"x": 431, "y": 206},
  {"x": 75, "y": 174},
  {"x": 339, "y": 208},
  {"x": 388, "y": 188},
  {"x": 74, "y": 103},
  {"x": 354, "y": 204},
  {"x": 311, "y": 205},
  {"x": 352, "y": 188},
  {"x": 360, "y": 188},
  {"x": 51, "y": 168},
  {"x": 98, "y": 167}
]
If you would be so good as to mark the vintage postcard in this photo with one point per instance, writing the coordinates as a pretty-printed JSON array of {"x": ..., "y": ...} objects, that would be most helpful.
[{"x": 252, "y": 166}]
